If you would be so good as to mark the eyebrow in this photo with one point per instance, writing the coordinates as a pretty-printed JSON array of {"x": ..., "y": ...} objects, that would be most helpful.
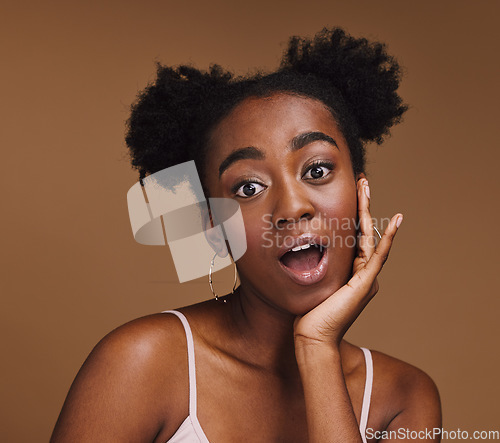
[{"x": 251, "y": 152}]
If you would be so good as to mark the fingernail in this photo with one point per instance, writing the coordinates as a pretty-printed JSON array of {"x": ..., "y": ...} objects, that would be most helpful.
[
  {"x": 398, "y": 221},
  {"x": 367, "y": 189}
]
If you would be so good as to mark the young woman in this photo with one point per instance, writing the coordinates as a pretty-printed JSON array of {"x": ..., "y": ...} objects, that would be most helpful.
[{"x": 268, "y": 362}]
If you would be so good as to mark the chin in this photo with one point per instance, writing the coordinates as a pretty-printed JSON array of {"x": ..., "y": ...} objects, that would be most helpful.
[{"x": 305, "y": 300}]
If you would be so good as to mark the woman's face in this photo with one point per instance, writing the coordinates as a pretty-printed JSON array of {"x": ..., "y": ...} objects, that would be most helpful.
[{"x": 285, "y": 161}]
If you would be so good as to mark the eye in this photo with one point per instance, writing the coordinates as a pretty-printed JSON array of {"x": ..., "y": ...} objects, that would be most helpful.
[
  {"x": 318, "y": 170},
  {"x": 248, "y": 189}
]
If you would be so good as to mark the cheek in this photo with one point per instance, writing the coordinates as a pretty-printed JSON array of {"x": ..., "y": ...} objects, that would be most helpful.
[
  {"x": 338, "y": 209},
  {"x": 258, "y": 256},
  {"x": 262, "y": 243},
  {"x": 255, "y": 236},
  {"x": 257, "y": 229}
]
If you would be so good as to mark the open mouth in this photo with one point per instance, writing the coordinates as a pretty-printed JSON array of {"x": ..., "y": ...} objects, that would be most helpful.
[
  {"x": 305, "y": 264},
  {"x": 303, "y": 258}
]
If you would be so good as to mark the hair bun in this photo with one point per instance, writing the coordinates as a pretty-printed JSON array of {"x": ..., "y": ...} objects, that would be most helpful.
[
  {"x": 165, "y": 119},
  {"x": 366, "y": 76}
]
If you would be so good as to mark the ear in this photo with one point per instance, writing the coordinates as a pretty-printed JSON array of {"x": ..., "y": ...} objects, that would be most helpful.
[
  {"x": 214, "y": 237},
  {"x": 360, "y": 175}
]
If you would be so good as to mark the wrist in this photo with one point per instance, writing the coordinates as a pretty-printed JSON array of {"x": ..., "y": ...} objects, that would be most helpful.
[
  {"x": 311, "y": 351},
  {"x": 322, "y": 342}
]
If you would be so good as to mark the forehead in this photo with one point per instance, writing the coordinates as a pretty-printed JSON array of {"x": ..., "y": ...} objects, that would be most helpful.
[{"x": 262, "y": 121}]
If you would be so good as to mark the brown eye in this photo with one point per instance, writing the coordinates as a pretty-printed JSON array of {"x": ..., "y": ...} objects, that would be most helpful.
[
  {"x": 249, "y": 189},
  {"x": 318, "y": 171}
]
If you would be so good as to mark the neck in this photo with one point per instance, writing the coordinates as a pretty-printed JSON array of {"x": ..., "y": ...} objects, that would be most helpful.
[{"x": 263, "y": 333}]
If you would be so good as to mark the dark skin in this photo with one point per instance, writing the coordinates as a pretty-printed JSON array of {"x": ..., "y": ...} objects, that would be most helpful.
[{"x": 271, "y": 363}]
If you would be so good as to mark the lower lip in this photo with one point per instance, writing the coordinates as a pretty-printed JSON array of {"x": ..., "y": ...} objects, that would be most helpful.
[{"x": 311, "y": 276}]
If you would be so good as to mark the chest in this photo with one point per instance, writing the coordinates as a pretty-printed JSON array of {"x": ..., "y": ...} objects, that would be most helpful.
[{"x": 235, "y": 402}]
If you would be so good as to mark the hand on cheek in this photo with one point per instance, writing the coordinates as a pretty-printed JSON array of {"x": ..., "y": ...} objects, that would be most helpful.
[{"x": 329, "y": 321}]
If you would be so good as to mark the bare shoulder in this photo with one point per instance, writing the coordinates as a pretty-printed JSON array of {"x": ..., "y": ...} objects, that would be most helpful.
[
  {"x": 142, "y": 337},
  {"x": 129, "y": 384},
  {"x": 397, "y": 376},
  {"x": 143, "y": 345},
  {"x": 405, "y": 395}
]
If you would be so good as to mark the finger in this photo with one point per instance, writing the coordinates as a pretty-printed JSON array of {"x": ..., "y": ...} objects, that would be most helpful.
[
  {"x": 381, "y": 254},
  {"x": 366, "y": 241},
  {"x": 351, "y": 299}
]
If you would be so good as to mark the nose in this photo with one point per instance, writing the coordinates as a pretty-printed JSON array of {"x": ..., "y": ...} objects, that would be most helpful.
[{"x": 292, "y": 205}]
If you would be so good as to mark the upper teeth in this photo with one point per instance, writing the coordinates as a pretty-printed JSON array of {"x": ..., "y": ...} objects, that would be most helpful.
[{"x": 298, "y": 248}]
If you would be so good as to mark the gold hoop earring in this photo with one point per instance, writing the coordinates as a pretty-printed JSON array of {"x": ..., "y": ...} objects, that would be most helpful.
[
  {"x": 210, "y": 282},
  {"x": 376, "y": 231}
]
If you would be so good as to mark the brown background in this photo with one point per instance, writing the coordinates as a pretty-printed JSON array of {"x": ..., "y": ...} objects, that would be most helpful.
[{"x": 70, "y": 268}]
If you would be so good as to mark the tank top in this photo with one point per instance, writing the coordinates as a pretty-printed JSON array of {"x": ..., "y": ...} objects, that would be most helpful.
[{"x": 190, "y": 430}]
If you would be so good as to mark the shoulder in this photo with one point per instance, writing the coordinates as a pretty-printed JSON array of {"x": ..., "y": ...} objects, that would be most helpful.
[
  {"x": 153, "y": 342},
  {"x": 406, "y": 394},
  {"x": 141, "y": 336},
  {"x": 145, "y": 344},
  {"x": 401, "y": 377},
  {"x": 403, "y": 396},
  {"x": 132, "y": 380}
]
